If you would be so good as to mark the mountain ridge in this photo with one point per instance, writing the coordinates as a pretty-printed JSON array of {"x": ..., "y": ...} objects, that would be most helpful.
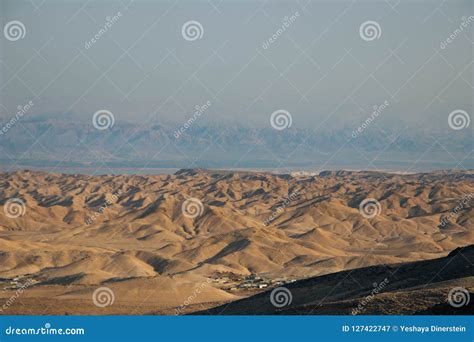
[{"x": 212, "y": 146}]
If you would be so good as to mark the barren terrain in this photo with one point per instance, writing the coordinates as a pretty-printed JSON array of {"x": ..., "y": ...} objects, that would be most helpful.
[{"x": 154, "y": 240}]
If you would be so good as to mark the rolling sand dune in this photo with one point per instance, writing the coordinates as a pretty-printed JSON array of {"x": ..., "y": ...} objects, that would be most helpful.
[{"x": 137, "y": 236}]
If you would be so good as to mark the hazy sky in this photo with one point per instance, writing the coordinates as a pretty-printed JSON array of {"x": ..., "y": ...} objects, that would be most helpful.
[{"x": 319, "y": 69}]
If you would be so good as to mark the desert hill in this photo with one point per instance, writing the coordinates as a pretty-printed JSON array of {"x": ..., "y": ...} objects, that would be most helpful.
[
  {"x": 420, "y": 287},
  {"x": 177, "y": 231}
]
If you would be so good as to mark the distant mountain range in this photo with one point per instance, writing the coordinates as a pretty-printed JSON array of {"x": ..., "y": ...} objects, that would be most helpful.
[{"x": 49, "y": 142}]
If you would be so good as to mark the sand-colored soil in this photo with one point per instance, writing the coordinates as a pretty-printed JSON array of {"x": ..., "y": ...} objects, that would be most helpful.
[{"x": 129, "y": 233}]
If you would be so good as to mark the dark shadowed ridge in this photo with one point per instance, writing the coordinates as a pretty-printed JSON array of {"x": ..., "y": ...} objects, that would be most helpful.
[{"x": 426, "y": 282}]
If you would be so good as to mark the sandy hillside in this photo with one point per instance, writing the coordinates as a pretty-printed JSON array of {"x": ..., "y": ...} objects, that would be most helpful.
[
  {"x": 420, "y": 287},
  {"x": 154, "y": 240}
]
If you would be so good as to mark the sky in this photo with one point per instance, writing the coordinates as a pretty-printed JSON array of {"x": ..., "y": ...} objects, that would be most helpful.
[{"x": 322, "y": 69}]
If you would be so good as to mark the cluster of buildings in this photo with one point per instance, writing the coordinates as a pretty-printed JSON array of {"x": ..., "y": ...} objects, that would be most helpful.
[
  {"x": 233, "y": 282},
  {"x": 18, "y": 282}
]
